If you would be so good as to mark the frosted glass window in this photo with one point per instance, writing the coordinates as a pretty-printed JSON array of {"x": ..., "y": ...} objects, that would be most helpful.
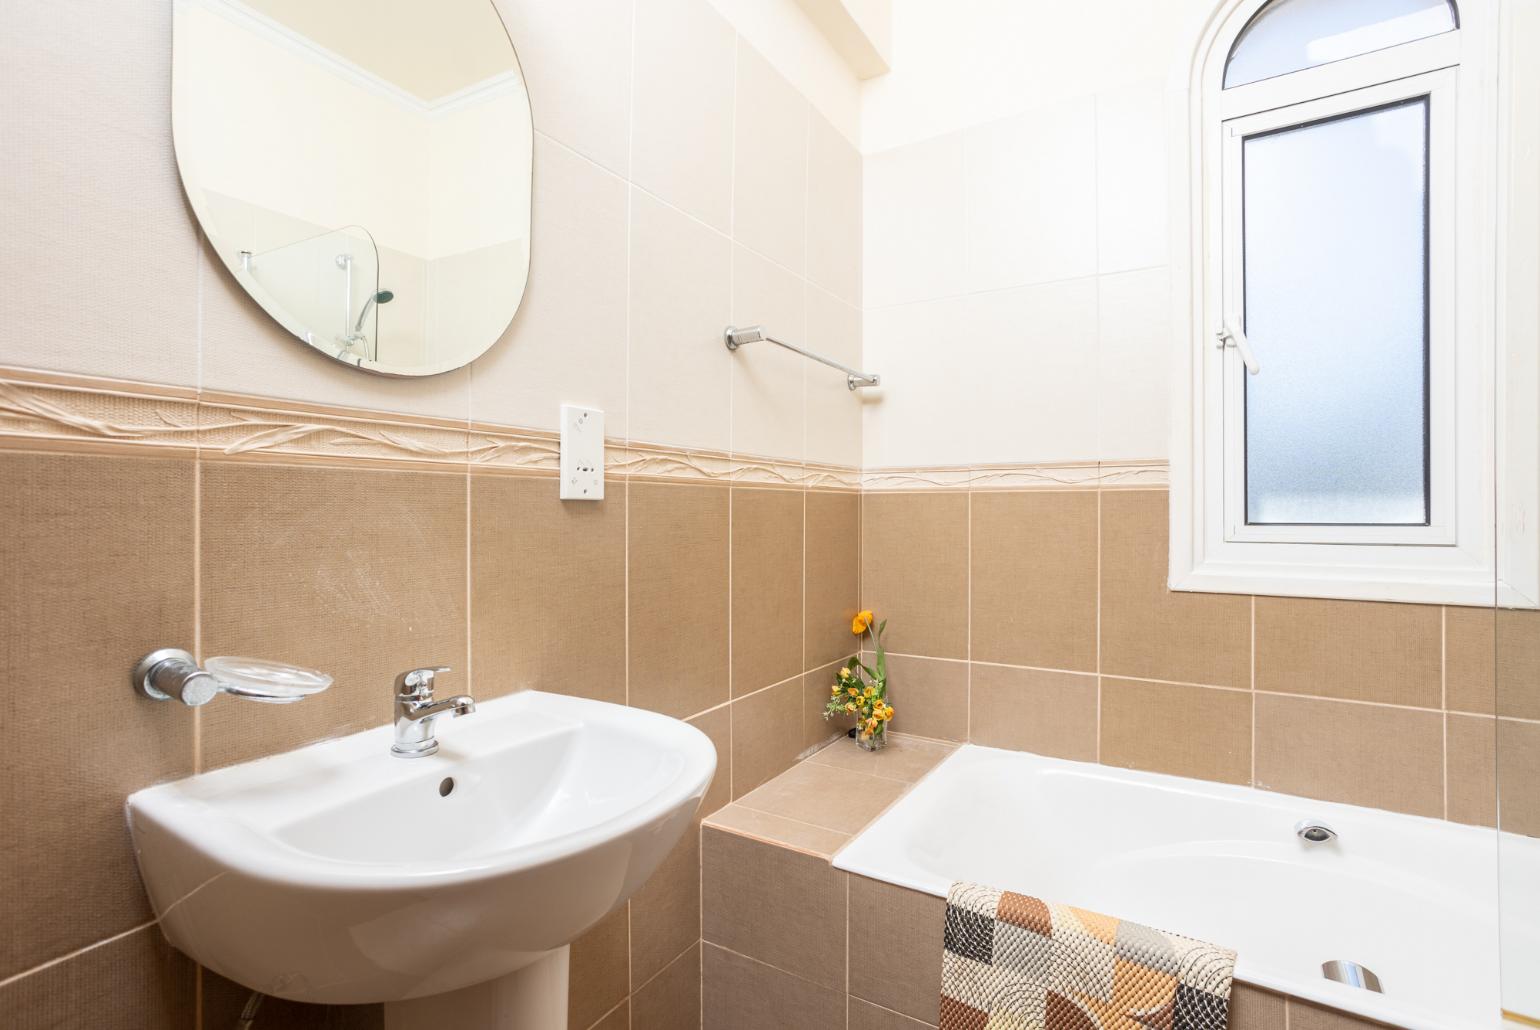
[
  {"x": 1288, "y": 35},
  {"x": 1336, "y": 294}
]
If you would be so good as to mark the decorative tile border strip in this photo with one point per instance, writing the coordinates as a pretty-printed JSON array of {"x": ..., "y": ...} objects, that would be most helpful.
[
  {"x": 1089, "y": 475},
  {"x": 60, "y": 410}
]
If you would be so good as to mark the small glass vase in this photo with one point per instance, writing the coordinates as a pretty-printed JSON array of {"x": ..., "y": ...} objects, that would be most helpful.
[{"x": 876, "y": 742}]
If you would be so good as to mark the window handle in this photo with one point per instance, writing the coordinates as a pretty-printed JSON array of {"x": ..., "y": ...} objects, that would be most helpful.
[{"x": 1231, "y": 337}]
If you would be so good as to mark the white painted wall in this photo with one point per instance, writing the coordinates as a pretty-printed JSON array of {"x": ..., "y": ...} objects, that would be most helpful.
[{"x": 1015, "y": 236}]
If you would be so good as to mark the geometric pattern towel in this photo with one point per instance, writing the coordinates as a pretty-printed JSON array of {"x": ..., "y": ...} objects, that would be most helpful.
[{"x": 1013, "y": 962}]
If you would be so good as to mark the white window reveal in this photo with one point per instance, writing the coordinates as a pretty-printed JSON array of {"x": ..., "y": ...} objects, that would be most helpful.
[{"x": 1334, "y": 425}]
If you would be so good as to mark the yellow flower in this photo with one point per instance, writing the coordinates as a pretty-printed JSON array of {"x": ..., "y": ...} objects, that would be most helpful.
[
  {"x": 861, "y": 623},
  {"x": 855, "y": 691},
  {"x": 844, "y": 674},
  {"x": 870, "y": 691},
  {"x": 849, "y": 707},
  {"x": 834, "y": 691},
  {"x": 887, "y": 713}
]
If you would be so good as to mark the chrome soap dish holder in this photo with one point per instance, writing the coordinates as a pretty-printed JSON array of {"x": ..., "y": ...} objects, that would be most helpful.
[{"x": 171, "y": 673}]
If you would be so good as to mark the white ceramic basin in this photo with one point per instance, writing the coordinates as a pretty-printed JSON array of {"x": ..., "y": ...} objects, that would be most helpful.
[{"x": 338, "y": 873}]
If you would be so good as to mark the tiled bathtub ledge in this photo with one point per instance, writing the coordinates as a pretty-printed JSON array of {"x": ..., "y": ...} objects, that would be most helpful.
[{"x": 788, "y": 940}]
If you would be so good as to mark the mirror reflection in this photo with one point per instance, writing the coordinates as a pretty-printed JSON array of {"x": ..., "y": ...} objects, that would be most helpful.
[{"x": 362, "y": 168}]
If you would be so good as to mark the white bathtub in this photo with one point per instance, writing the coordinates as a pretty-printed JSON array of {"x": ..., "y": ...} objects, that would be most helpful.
[{"x": 1412, "y": 899}]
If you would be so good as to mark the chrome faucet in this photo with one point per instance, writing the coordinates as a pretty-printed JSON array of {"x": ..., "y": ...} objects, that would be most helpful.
[{"x": 416, "y": 711}]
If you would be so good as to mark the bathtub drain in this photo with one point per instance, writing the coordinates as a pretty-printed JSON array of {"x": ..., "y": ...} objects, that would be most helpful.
[{"x": 1352, "y": 974}]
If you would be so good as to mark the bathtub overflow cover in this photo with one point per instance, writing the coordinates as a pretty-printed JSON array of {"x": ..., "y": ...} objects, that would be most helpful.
[
  {"x": 1314, "y": 832},
  {"x": 1352, "y": 974}
]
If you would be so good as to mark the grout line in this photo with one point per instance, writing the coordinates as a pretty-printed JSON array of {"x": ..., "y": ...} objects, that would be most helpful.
[
  {"x": 1098, "y": 626},
  {"x": 197, "y": 592},
  {"x": 42, "y": 966},
  {"x": 1253, "y": 646},
  {"x": 1443, "y": 681},
  {"x": 968, "y": 643},
  {"x": 847, "y": 952},
  {"x": 612, "y": 1010}
]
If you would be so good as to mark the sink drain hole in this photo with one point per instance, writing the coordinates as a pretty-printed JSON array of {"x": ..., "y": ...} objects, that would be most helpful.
[{"x": 446, "y": 786}]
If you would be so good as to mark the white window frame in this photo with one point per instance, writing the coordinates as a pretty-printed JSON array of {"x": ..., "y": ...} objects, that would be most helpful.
[{"x": 1452, "y": 560}]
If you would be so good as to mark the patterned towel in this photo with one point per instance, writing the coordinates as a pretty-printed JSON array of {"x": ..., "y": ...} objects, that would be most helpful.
[{"x": 1016, "y": 963}]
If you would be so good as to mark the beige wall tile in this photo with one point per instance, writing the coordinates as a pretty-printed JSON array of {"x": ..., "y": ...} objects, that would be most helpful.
[
  {"x": 778, "y": 830},
  {"x": 100, "y": 253},
  {"x": 1471, "y": 770},
  {"x": 97, "y": 558},
  {"x": 1518, "y": 776},
  {"x": 768, "y": 382},
  {"x": 682, "y": 107},
  {"x": 360, "y": 573},
  {"x": 1355, "y": 650},
  {"x": 929, "y": 697},
  {"x": 1518, "y": 663},
  {"x": 833, "y": 575},
  {"x": 1360, "y": 754},
  {"x": 1252, "y": 1008},
  {"x": 1155, "y": 633},
  {"x": 1183, "y": 731},
  {"x": 817, "y": 730},
  {"x": 833, "y": 409},
  {"x": 766, "y": 587},
  {"x": 739, "y": 993},
  {"x": 833, "y": 212},
  {"x": 895, "y": 939},
  {"x": 130, "y": 983},
  {"x": 1034, "y": 558},
  {"x": 767, "y": 734},
  {"x": 1469, "y": 660},
  {"x": 681, "y": 301},
  {"x": 717, "y": 725},
  {"x": 576, "y": 61},
  {"x": 548, "y": 589},
  {"x": 670, "y": 1000},
  {"x": 599, "y": 975},
  {"x": 1047, "y": 713},
  {"x": 618, "y": 1019},
  {"x": 803, "y": 793},
  {"x": 678, "y": 597},
  {"x": 224, "y": 1000},
  {"x": 904, "y": 758},
  {"x": 770, "y": 170},
  {"x": 914, "y": 570},
  {"x": 779, "y": 906},
  {"x": 866, "y": 1016},
  {"x": 567, "y": 343}
]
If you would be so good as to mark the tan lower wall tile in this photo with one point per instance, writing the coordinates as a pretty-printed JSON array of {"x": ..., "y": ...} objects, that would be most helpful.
[
  {"x": 779, "y": 906},
  {"x": 1493, "y": 662},
  {"x": 133, "y": 982},
  {"x": 1034, "y": 567},
  {"x": 1517, "y": 646},
  {"x": 97, "y": 561},
  {"x": 1150, "y": 632},
  {"x": 1356, "y": 650},
  {"x": 929, "y": 697},
  {"x": 1469, "y": 659},
  {"x": 1356, "y": 753},
  {"x": 223, "y": 1001},
  {"x": 717, "y": 725},
  {"x": 1471, "y": 771},
  {"x": 678, "y": 597},
  {"x": 618, "y": 1019},
  {"x": 914, "y": 570},
  {"x": 1047, "y": 713},
  {"x": 895, "y": 947},
  {"x": 1184, "y": 731},
  {"x": 670, "y": 1000},
  {"x": 739, "y": 993},
  {"x": 359, "y": 573},
  {"x": 866, "y": 1016},
  {"x": 1252, "y": 1008},
  {"x": 767, "y": 734},
  {"x": 1518, "y": 777},
  {"x": 1304, "y": 1015},
  {"x": 599, "y": 977},
  {"x": 766, "y": 587},
  {"x": 833, "y": 575},
  {"x": 804, "y": 793},
  {"x": 548, "y": 589}
]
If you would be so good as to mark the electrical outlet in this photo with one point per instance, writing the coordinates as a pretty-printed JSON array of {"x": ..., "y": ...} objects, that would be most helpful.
[{"x": 582, "y": 453}]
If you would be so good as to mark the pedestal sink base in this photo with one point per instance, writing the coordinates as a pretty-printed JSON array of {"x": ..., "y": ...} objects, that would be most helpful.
[{"x": 534, "y": 998}]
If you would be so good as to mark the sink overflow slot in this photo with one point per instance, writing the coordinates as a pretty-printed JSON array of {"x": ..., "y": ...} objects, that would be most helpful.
[{"x": 446, "y": 786}]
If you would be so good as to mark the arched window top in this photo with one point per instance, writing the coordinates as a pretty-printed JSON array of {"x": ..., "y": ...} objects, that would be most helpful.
[{"x": 1290, "y": 35}]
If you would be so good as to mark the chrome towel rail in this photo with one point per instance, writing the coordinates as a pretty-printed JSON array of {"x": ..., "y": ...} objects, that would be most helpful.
[{"x": 756, "y": 334}]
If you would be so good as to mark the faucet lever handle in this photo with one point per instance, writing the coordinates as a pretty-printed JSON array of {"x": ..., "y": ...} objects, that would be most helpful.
[{"x": 418, "y": 683}]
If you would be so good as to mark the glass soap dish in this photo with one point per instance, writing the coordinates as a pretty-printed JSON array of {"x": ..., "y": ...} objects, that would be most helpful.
[{"x": 271, "y": 682}]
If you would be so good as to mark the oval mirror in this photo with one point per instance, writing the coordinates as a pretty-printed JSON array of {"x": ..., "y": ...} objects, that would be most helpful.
[{"x": 362, "y": 168}]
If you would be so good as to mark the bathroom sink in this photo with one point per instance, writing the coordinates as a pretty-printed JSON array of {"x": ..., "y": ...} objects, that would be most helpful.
[{"x": 337, "y": 873}]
